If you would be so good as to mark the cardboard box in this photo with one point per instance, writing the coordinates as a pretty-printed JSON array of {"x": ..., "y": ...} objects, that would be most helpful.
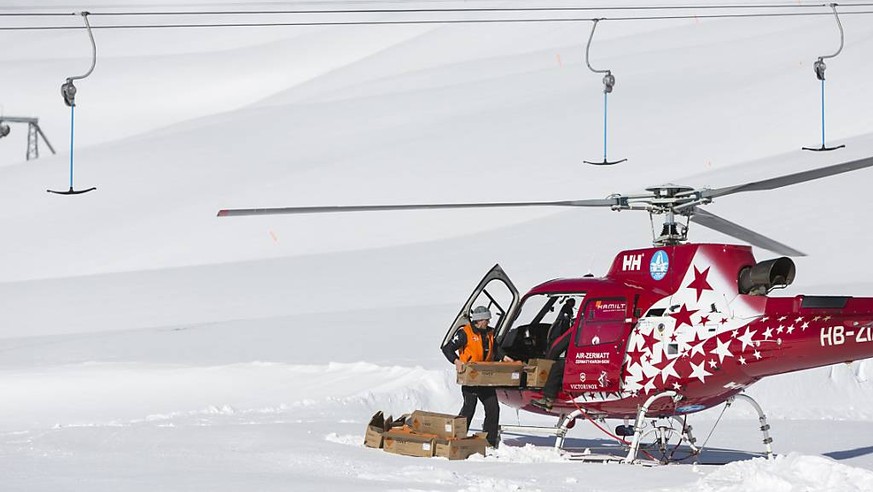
[
  {"x": 375, "y": 428},
  {"x": 398, "y": 422},
  {"x": 402, "y": 441},
  {"x": 438, "y": 424},
  {"x": 460, "y": 449},
  {"x": 373, "y": 438},
  {"x": 537, "y": 372},
  {"x": 491, "y": 374}
]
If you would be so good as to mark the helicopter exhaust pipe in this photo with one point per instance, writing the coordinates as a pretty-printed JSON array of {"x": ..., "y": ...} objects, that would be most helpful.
[{"x": 765, "y": 276}]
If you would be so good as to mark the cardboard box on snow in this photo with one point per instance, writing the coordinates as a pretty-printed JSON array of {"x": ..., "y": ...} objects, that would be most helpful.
[
  {"x": 374, "y": 437},
  {"x": 375, "y": 428},
  {"x": 401, "y": 441},
  {"x": 438, "y": 424},
  {"x": 491, "y": 374},
  {"x": 537, "y": 372},
  {"x": 378, "y": 425},
  {"x": 460, "y": 449}
]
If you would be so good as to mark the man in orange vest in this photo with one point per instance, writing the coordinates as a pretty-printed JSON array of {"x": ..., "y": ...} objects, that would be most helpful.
[{"x": 475, "y": 343}]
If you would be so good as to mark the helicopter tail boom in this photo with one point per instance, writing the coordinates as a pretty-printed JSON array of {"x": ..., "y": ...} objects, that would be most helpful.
[{"x": 804, "y": 332}]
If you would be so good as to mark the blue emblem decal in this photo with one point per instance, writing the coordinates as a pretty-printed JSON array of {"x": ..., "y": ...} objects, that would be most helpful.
[
  {"x": 690, "y": 408},
  {"x": 659, "y": 265}
]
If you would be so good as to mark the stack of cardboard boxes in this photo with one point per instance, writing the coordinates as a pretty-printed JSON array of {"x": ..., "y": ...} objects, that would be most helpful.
[
  {"x": 424, "y": 434},
  {"x": 436, "y": 434}
]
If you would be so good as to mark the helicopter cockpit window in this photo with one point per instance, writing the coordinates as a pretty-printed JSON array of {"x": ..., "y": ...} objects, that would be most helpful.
[
  {"x": 605, "y": 321},
  {"x": 541, "y": 318}
]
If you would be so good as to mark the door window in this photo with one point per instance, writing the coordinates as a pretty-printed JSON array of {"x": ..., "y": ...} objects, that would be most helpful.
[{"x": 604, "y": 321}]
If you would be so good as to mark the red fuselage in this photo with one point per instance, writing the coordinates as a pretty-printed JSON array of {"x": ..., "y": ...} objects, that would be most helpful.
[{"x": 674, "y": 318}]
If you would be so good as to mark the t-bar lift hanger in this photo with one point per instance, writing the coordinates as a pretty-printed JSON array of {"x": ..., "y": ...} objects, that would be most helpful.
[
  {"x": 68, "y": 90},
  {"x": 820, "y": 67},
  {"x": 608, "y": 84}
]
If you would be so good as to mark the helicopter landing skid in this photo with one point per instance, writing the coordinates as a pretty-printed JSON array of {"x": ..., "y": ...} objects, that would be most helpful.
[
  {"x": 589, "y": 457},
  {"x": 565, "y": 423},
  {"x": 823, "y": 148},
  {"x": 558, "y": 431},
  {"x": 765, "y": 427},
  {"x": 604, "y": 163},
  {"x": 71, "y": 191}
]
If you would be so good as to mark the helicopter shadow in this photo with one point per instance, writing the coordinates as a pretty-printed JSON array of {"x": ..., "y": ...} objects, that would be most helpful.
[
  {"x": 849, "y": 453},
  {"x": 578, "y": 448}
]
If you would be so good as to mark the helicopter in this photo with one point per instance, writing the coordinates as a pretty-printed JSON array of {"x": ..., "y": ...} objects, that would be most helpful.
[{"x": 669, "y": 330}]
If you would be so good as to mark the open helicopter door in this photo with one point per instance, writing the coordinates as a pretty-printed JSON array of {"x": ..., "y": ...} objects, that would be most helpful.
[
  {"x": 595, "y": 357},
  {"x": 496, "y": 292}
]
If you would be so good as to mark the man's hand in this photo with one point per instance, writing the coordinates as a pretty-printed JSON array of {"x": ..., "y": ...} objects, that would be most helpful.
[
  {"x": 459, "y": 366},
  {"x": 507, "y": 358}
]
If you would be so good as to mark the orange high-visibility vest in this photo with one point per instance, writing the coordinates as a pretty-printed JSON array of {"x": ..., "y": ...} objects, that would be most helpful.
[{"x": 474, "y": 351}]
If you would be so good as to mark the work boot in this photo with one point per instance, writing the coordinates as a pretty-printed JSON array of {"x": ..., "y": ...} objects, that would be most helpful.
[{"x": 545, "y": 403}]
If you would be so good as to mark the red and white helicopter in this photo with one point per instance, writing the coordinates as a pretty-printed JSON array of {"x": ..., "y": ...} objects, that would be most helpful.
[{"x": 672, "y": 329}]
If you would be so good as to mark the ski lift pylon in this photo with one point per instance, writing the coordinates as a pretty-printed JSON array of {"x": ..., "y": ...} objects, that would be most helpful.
[
  {"x": 68, "y": 91},
  {"x": 608, "y": 85},
  {"x": 819, "y": 67}
]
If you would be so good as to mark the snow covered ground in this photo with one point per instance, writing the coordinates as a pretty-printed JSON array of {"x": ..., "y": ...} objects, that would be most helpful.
[{"x": 147, "y": 345}]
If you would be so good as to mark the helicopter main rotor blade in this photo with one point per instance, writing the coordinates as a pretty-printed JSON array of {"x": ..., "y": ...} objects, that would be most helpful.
[
  {"x": 237, "y": 212},
  {"x": 790, "y": 179},
  {"x": 725, "y": 226}
]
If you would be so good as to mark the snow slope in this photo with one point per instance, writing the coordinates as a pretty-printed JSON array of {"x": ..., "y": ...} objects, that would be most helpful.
[{"x": 146, "y": 344}]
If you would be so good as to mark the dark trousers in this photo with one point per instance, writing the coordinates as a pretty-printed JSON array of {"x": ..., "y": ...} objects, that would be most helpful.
[
  {"x": 488, "y": 397},
  {"x": 556, "y": 377}
]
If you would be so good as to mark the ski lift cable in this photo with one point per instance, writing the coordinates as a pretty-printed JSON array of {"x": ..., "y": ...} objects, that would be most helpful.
[
  {"x": 425, "y": 21},
  {"x": 439, "y": 10},
  {"x": 68, "y": 91}
]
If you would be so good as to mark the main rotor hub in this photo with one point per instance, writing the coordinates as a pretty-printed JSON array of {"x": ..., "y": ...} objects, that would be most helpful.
[
  {"x": 671, "y": 199},
  {"x": 669, "y": 190}
]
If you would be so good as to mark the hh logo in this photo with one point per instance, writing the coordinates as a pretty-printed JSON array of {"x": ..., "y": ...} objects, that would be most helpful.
[{"x": 631, "y": 262}]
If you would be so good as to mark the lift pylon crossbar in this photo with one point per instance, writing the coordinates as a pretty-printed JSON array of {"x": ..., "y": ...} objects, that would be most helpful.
[{"x": 33, "y": 134}]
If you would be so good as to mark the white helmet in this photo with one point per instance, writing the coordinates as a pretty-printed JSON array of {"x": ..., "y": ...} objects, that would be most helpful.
[{"x": 480, "y": 313}]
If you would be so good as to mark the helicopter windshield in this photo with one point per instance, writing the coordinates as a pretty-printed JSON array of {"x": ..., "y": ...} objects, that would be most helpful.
[{"x": 539, "y": 322}]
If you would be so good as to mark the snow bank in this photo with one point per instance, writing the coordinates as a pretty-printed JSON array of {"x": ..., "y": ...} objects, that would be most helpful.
[
  {"x": 789, "y": 473},
  {"x": 112, "y": 394}
]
